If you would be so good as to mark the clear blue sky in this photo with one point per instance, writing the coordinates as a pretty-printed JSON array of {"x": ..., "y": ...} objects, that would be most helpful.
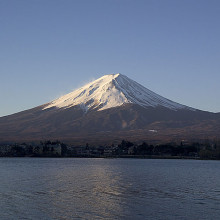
[{"x": 50, "y": 47}]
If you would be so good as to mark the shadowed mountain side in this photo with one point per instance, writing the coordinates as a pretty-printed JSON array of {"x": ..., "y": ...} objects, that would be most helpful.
[
  {"x": 110, "y": 108},
  {"x": 127, "y": 121}
]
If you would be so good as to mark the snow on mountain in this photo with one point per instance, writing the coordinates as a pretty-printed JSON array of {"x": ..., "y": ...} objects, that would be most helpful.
[{"x": 111, "y": 91}]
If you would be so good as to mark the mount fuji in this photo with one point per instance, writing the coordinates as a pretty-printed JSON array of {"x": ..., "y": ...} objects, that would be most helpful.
[
  {"x": 112, "y": 91},
  {"x": 108, "y": 110}
]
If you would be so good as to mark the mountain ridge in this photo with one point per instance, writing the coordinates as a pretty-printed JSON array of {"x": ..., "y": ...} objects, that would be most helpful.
[
  {"x": 111, "y": 91},
  {"x": 159, "y": 120}
]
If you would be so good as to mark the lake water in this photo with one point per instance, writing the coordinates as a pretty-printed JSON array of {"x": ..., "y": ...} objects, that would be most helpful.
[{"x": 75, "y": 188}]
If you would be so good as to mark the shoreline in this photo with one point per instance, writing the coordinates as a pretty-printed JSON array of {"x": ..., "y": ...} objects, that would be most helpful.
[{"x": 118, "y": 157}]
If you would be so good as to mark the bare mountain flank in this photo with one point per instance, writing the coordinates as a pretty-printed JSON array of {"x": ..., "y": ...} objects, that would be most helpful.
[{"x": 107, "y": 110}]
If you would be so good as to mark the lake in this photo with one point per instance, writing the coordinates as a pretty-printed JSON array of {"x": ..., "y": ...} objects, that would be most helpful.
[{"x": 81, "y": 188}]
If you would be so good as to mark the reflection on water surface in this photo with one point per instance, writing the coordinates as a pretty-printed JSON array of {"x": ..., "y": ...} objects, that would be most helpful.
[{"x": 45, "y": 188}]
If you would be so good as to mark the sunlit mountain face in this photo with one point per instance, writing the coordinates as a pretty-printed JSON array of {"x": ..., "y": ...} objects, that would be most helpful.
[
  {"x": 112, "y": 91},
  {"x": 107, "y": 110}
]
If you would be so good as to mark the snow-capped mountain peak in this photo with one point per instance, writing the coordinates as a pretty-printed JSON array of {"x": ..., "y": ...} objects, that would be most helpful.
[{"x": 111, "y": 91}]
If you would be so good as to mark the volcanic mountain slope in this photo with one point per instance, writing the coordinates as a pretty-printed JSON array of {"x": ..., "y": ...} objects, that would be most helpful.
[
  {"x": 112, "y": 91},
  {"x": 109, "y": 109}
]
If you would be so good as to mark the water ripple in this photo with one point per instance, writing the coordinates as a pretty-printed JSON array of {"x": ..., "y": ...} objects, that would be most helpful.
[{"x": 34, "y": 188}]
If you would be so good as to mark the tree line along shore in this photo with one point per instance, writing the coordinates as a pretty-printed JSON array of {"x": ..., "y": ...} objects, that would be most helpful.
[{"x": 126, "y": 149}]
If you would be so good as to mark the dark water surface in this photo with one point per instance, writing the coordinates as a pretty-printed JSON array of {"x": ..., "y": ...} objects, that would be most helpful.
[{"x": 46, "y": 188}]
